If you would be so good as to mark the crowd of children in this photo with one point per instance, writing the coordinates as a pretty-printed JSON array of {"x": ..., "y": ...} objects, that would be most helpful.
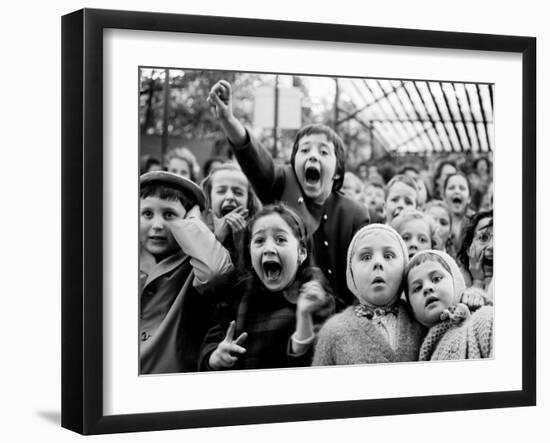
[{"x": 269, "y": 265}]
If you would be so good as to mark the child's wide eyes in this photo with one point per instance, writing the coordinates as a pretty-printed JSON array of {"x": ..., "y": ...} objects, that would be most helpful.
[
  {"x": 280, "y": 240},
  {"x": 389, "y": 255},
  {"x": 423, "y": 239},
  {"x": 436, "y": 278},
  {"x": 365, "y": 257},
  {"x": 169, "y": 215},
  {"x": 147, "y": 213}
]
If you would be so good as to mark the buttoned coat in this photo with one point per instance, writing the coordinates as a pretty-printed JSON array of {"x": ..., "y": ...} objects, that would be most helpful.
[{"x": 331, "y": 226}]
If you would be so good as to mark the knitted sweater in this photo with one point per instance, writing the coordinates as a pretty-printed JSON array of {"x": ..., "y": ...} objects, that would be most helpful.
[
  {"x": 460, "y": 337},
  {"x": 347, "y": 339}
]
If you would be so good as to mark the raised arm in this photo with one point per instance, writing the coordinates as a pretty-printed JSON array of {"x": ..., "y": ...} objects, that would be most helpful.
[
  {"x": 256, "y": 162},
  {"x": 208, "y": 257},
  {"x": 220, "y": 99}
]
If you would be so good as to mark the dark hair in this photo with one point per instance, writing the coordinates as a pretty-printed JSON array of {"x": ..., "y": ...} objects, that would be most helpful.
[
  {"x": 438, "y": 174},
  {"x": 481, "y": 159},
  {"x": 406, "y": 168},
  {"x": 253, "y": 203},
  {"x": 461, "y": 174},
  {"x": 206, "y": 169},
  {"x": 470, "y": 231},
  {"x": 145, "y": 163},
  {"x": 167, "y": 192},
  {"x": 332, "y": 137},
  {"x": 290, "y": 217}
]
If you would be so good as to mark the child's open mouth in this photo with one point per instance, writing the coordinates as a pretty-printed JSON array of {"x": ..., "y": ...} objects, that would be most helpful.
[
  {"x": 272, "y": 269},
  {"x": 157, "y": 238},
  {"x": 226, "y": 209},
  {"x": 312, "y": 175},
  {"x": 378, "y": 281},
  {"x": 457, "y": 200},
  {"x": 487, "y": 264}
]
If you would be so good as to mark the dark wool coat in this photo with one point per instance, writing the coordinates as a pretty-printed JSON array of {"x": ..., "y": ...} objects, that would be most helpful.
[
  {"x": 332, "y": 224},
  {"x": 269, "y": 319}
]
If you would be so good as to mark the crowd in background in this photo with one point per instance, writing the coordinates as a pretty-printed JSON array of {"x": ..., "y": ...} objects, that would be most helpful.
[{"x": 251, "y": 263}]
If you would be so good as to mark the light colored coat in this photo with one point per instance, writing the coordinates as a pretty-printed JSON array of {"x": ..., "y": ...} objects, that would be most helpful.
[{"x": 347, "y": 339}]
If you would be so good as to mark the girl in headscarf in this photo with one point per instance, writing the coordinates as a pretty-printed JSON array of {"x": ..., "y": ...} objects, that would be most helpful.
[
  {"x": 435, "y": 287},
  {"x": 380, "y": 327}
]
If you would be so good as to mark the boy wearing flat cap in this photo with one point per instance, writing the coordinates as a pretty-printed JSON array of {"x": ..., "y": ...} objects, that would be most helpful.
[{"x": 179, "y": 255}]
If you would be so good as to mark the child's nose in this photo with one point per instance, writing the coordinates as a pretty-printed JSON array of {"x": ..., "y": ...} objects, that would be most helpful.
[
  {"x": 158, "y": 222},
  {"x": 269, "y": 247}
]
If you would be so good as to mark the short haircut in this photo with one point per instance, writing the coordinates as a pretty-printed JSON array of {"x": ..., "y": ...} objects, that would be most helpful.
[
  {"x": 401, "y": 178},
  {"x": 339, "y": 149},
  {"x": 417, "y": 260},
  {"x": 414, "y": 214},
  {"x": 166, "y": 192}
]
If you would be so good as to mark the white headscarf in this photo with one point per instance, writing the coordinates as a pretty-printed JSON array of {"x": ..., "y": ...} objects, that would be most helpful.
[
  {"x": 359, "y": 235},
  {"x": 459, "y": 284}
]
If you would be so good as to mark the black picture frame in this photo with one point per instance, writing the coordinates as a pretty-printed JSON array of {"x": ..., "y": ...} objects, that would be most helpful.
[{"x": 82, "y": 220}]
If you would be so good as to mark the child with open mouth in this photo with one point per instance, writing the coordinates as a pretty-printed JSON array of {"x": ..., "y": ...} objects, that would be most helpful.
[
  {"x": 435, "y": 287},
  {"x": 380, "y": 328},
  {"x": 230, "y": 203},
  {"x": 310, "y": 185},
  {"x": 476, "y": 255},
  {"x": 456, "y": 191},
  {"x": 270, "y": 311}
]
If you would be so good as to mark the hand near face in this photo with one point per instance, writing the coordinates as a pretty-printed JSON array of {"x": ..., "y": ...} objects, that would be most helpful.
[
  {"x": 311, "y": 298},
  {"x": 220, "y": 100},
  {"x": 474, "y": 298},
  {"x": 476, "y": 254},
  {"x": 228, "y": 351},
  {"x": 194, "y": 212},
  {"x": 234, "y": 223}
]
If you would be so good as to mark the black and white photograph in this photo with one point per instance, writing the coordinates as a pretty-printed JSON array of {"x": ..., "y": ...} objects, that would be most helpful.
[{"x": 290, "y": 220}]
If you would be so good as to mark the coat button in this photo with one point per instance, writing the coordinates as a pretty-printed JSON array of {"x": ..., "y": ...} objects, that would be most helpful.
[
  {"x": 330, "y": 271},
  {"x": 325, "y": 217},
  {"x": 300, "y": 200},
  {"x": 326, "y": 243}
]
